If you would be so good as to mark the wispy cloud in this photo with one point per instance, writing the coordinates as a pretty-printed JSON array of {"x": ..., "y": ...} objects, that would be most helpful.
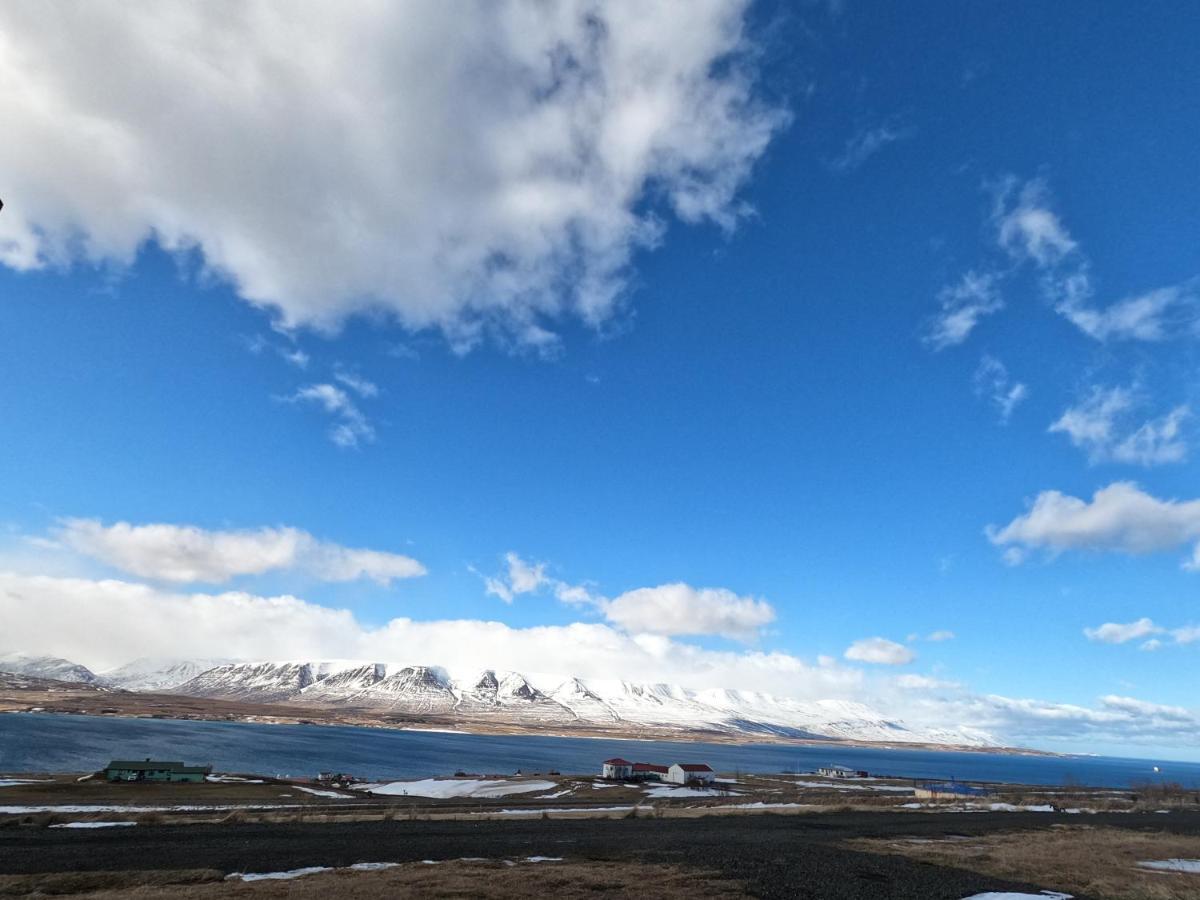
[
  {"x": 350, "y": 428},
  {"x": 993, "y": 382},
  {"x": 963, "y": 306},
  {"x": 869, "y": 141},
  {"x": 1101, "y": 425},
  {"x": 1124, "y": 632},
  {"x": 880, "y": 651}
]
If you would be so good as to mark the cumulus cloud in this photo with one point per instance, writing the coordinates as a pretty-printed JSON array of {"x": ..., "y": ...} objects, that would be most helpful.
[
  {"x": 963, "y": 306},
  {"x": 1101, "y": 425},
  {"x": 881, "y": 651},
  {"x": 993, "y": 382},
  {"x": 183, "y": 553},
  {"x": 1118, "y": 633},
  {"x": 350, "y": 427},
  {"x": 1119, "y": 518},
  {"x": 668, "y": 609},
  {"x": 482, "y": 168},
  {"x": 682, "y": 609},
  {"x": 1122, "y": 633}
]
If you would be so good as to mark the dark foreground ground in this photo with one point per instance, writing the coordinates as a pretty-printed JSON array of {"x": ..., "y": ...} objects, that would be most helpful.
[{"x": 769, "y": 856}]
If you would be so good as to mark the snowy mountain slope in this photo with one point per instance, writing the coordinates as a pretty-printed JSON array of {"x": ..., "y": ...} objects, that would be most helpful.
[
  {"x": 157, "y": 673},
  {"x": 52, "y": 667},
  {"x": 503, "y": 697}
]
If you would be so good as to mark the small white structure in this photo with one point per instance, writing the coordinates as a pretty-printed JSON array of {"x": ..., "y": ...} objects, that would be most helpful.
[
  {"x": 690, "y": 773},
  {"x": 616, "y": 768},
  {"x": 840, "y": 772}
]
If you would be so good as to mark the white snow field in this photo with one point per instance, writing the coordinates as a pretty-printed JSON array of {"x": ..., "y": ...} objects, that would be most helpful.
[
  {"x": 446, "y": 788},
  {"x": 1172, "y": 865},
  {"x": 95, "y": 825}
]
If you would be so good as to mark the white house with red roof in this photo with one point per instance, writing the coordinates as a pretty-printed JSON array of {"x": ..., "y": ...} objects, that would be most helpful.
[
  {"x": 616, "y": 768},
  {"x": 690, "y": 773}
]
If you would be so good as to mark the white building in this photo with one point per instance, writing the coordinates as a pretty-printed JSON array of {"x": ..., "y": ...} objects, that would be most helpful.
[
  {"x": 690, "y": 773},
  {"x": 840, "y": 772},
  {"x": 616, "y": 768}
]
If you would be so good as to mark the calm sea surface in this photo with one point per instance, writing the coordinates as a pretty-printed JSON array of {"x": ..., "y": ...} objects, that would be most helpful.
[{"x": 64, "y": 743}]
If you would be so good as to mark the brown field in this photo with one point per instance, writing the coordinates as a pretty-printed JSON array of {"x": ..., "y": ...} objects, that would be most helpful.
[
  {"x": 498, "y": 879},
  {"x": 1074, "y": 859}
]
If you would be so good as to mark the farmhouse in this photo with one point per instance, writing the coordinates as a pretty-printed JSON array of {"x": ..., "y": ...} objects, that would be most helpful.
[
  {"x": 840, "y": 772},
  {"x": 617, "y": 769},
  {"x": 949, "y": 790},
  {"x": 649, "y": 772},
  {"x": 690, "y": 773},
  {"x": 154, "y": 770}
]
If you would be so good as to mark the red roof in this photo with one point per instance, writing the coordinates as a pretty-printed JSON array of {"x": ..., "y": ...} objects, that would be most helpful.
[
  {"x": 695, "y": 767},
  {"x": 650, "y": 767},
  {"x": 617, "y": 761}
]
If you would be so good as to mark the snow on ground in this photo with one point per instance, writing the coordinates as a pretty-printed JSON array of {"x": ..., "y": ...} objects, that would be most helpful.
[
  {"x": 664, "y": 791},
  {"x": 16, "y": 782},
  {"x": 760, "y": 805},
  {"x": 94, "y": 825},
  {"x": 1172, "y": 865},
  {"x": 231, "y": 779},
  {"x": 543, "y": 859},
  {"x": 277, "y": 876},
  {"x": 317, "y": 793},
  {"x": 444, "y": 788},
  {"x": 1008, "y": 895},
  {"x": 597, "y": 785},
  {"x": 554, "y": 796},
  {"x": 836, "y": 786},
  {"x": 372, "y": 867}
]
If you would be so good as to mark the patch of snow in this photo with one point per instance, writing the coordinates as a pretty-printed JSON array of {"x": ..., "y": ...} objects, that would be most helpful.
[
  {"x": 90, "y": 808},
  {"x": 597, "y": 785},
  {"x": 537, "y": 859},
  {"x": 1009, "y": 807},
  {"x": 444, "y": 788},
  {"x": 1172, "y": 865},
  {"x": 317, "y": 793},
  {"x": 760, "y": 805},
  {"x": 660, "y": 791},
  {"x": 1009, "y": 895},
  {"x": 277, "y": 876},
  {"x": 372, "y": 867},
  {"x": 581, "y": 809},
  {"x": 232, "y": 779},
  {"x": 95, "y": 825},
  {"x": 553, "y": 796}
]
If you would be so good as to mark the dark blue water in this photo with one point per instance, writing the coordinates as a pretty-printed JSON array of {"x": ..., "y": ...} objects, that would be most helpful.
[{"x": 33, "y": 742}]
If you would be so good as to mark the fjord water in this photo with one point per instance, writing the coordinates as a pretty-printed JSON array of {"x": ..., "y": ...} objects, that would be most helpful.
[{"x": 39, "y": 742}]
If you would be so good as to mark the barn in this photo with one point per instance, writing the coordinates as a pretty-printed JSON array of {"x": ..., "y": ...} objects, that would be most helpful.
[
  {"x": 690, "y": 773},
  {"x": 616, "y": 769},
  {"x": 650, "y": 772}
]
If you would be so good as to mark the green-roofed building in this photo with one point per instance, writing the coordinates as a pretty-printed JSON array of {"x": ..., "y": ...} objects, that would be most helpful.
[{"x": 154, "y": 770}]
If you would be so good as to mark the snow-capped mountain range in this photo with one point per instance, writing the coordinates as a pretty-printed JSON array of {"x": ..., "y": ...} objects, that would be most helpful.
[{"x": 501, "y": 698}]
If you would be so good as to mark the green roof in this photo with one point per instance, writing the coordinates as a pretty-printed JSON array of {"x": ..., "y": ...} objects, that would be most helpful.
[{"x": 156, "y": 765}]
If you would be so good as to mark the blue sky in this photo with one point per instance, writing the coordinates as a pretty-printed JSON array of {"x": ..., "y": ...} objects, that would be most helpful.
[{"x": 730, "y": 376}]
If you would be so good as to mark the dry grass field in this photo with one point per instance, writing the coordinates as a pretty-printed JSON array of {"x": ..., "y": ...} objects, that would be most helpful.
[
  {"x": 462, "y": 878},
  {"x": 1075, "y": 859}
]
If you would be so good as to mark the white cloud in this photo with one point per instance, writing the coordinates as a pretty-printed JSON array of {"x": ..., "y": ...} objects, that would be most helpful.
[
  {"x": 963, "y": 306},
  {"x": 1120, "y": 517},
  {"x": 913, "y": 682},
  {"x": 1118, "y": 633},
  {"x": 350, "y": 426},
  {"x": 676, "y": 609},
  {"x": 668, "y": 609},
  {"x": 880, "y": 650},
  {"x": 937, "y": 636},
  {"x": 184, "y": 553},
  {"x": 992, "y": 381},
  {"x": 361, "y": 386},
  {"x": 488, "y": 167},
  {"x": 106, "y": 623},
  {"x": 1031, "y": 231},
  {"x": 1100, "y": 425},
  {"x": 1025, "y": 225},
  {"x": 867, "y": 142}
]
